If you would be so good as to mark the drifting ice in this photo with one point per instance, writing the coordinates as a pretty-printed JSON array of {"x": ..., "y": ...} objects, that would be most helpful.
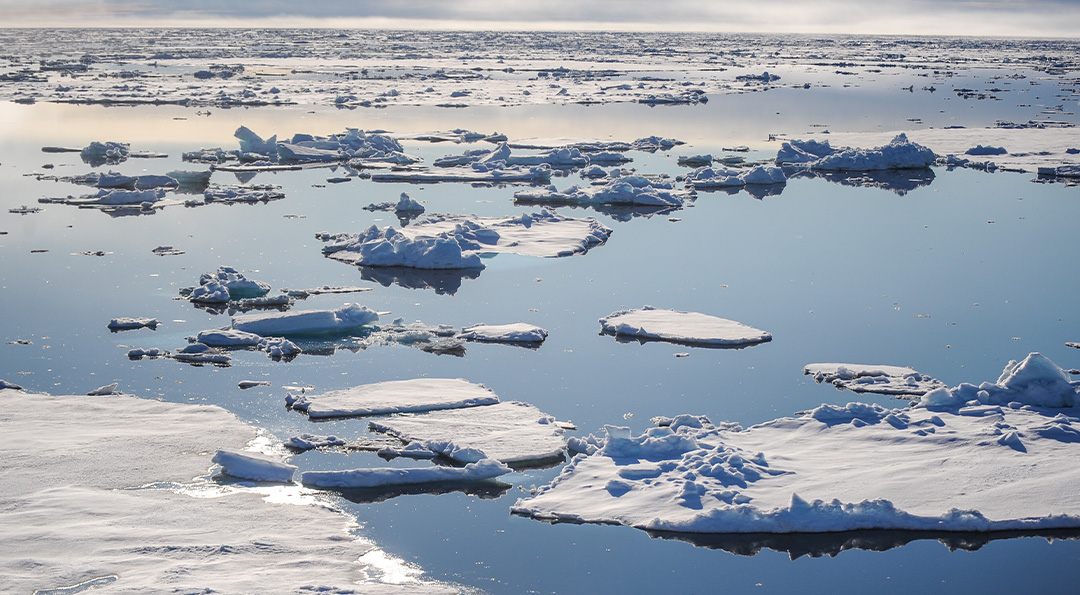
[
  {"x": 693, "y": 328},
  {"x": 253, "y": 466},
  {"x": 420, "y": 394},
  {"x": 518, "y": 332},
  {"x": 348, "y": 318},
  {"x": 886, "y": 380},
  {"x": 898, "y": 154},
  {"x": 390, "y": 476}
]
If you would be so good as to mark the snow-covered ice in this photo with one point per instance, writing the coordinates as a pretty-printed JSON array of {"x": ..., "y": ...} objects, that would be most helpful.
[
  {"x": 705, "y": 178},
  {"x": 862, "y": 378},
  {"x": 972, "y": 458},
  {"x": 395, "y": 396},
  {"x": 517, "y": 332},
  {"x": 693, "y": 328},
  {"x": 235, "y": 282},
  {"x": 346, "y": 319},
  {"x": 391, "y": 476},
  {"x": 629, "y": 190},
  {"x": 254, "y": 466},
  {"x": 511, "y": 432},
  {"x": 900, "y": 153},
  {"x": 130, "y": 323}
]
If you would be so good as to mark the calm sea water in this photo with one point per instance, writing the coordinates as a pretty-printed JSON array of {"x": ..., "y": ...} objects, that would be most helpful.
[{"x": 954, "y": 277}]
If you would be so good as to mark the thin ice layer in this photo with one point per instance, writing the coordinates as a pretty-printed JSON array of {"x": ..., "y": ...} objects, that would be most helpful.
[
  {"x": 397, "y": 396},
  {"x": 680, "y": 327},
  {"x": 947, "y": 466},
  {"x": 510, "y": 432},
  {"x": 885, "y": 380}
]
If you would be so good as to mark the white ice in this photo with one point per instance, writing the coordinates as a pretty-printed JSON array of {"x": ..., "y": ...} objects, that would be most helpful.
[
  {"x": 680, "y": 327},
  {"x": 629, "y": 190},
  {"x": 237, "y": 284},
  {"x": 517, "y": 332},
  {"x": 511, "y": 432},
  {"x": 886, "y": 380},
  {"x": 254, "y": 466},
  {"x": 100, "y": 487},
  {"x": 228, "y": 338},
  {"x": 348, "y": 318},
  {"x": 129, "y": 323},
  {"x": 705, "y": 178},
  {"x": 390, "y": 476},
  {"x": 948, "y": 464},
  {"x": 394, "y": 396},
  {"x": 900, "y": 153},
  {"x": 476, "y": 172}
]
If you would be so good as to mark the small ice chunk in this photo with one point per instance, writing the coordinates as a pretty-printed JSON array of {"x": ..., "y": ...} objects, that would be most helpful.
[
  {"x": 246, "y": 384},
  {"x": 419, "y": 394},
  {"x": 310, "y": 441},
  {"x": 198, "y": 353},
  {"x": 343, "y": 320},
  {"x": 108, "y": 389},
  {"x": 253, "y": 466},
  {"x": 151, "y": 352},
  {"x": 675, "y": 326},
  {"x": 518, "y": 332},
  {"x": 228, "y": 337},
  {"x": 389, "y": 476},
  {"x": 125, "y": 324},
  {"x": 5, "y": 385},
  {"x": 237, "y": 284}
]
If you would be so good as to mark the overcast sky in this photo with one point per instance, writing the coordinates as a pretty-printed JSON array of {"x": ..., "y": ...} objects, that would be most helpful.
[{"x": 1034, "y": 18}]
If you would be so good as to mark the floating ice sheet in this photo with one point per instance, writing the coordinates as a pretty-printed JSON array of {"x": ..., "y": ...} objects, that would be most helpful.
[
  {"x": 949, "y": 464},
  {"x": 511, "y": 432},
  {"x": 253, "y": 466},
  {"x": 517, "y": 332},
  {"x": 629, "y": 190},
  {"x": 391, "y": 476},
  {"x": 900, "y": 153},
  {"x": 675, "y": 326},
  {"x": 348, "y": 318},
  {"x": 419, "y": 394},
  {"x": 886, "y": 380}
]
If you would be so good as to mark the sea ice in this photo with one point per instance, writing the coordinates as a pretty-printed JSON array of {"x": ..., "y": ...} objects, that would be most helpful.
[
  {"x": 518, "y": 332},
  {"x": 900, "y": 153},
  {"x": 198, "y": 353},
  {"x": 886, "y": 380},
  {"x": 346, "y": 319},
  {"x": 705, "y": 178},
  {"x": 629, "y": 190},
  {"x": 126, "y": 323},
  {"x": 243, "y": 193},
  {"x": 945, "y": 464},
  {"x": 476, "y": 172},
  {"x": 108, "y": 389},
  {"x": 396, "y": 396},
  {"x": 253, "y": 466},
  {"x": 692, "y": 328},
  {"x": 389, "y": 476},
  {"x": 311, "y": 441},
  {"x": 511, "y": 432}
]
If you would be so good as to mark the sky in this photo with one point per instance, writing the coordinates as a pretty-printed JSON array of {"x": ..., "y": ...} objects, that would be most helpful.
[{"x": 1032, "y": 18}]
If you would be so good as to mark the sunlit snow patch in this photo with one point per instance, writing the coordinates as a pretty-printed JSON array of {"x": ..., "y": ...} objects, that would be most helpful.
[
  {"x": 886, "y": 380},
  {"x": 419, "y": 394},
  {"x": 958, "y": 461},
  {"x": 511, "y": 432},
  {"x": 675, "y": 326}
]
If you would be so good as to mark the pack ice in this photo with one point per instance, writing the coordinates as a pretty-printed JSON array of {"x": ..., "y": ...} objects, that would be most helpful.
[
  {"x": 694, "y": 328},
  {"x": 456, "y": 242},
  {"x": 998, "y": 456},
  {"x": 419, "y": 394}
]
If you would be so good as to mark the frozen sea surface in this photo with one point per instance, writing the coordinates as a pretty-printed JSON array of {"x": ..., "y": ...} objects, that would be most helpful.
[{"x": 949, "y": 270}]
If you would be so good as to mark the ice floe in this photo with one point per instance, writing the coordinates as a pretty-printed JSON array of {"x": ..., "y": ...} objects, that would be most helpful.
[
  {"x": 705, "y": 178},
  {"x": 253, "y": 466},
  {"x": 511, "y": 432},
  {"x": 692, "y": 328},
  {"x": 199, "y": 353},
  {"x": 348, "y": 318},
  {"x": 224, "y": 284},
  {"x": 455, "y": 242},
  {"x": 861, "y": 378},
  {"x": 629, "y": 190},
  {"x": 949, "y": 463},
  {"x": 395, "y": 396},
  {"x": 900, "y": 153},
  {"x": 517, "y": 332},
  {"x": 497, "y": 173},
  {"x": 129, "y": 323},
  {"x": 390, "y": 476}
]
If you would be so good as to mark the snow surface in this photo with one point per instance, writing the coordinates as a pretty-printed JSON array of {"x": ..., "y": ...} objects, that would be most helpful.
[
  {"x": 885, "y": 380},
  {"x": 511, "y": 432},
  {"x": 680, "y": 327},
  {"x": 389, "y": 476},
  {"x": 455, "y": 242},
  {"x": 99, "y": 487},
  {"x": 348, "y": 318},
  {"x": 518, "y": 332},
  {"x": 395, "y": 396},
  {"x": 946, "y": 464}
]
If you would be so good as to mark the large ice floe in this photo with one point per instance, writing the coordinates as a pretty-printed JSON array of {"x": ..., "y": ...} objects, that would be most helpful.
[
  {"x": 862, "y": 378},
  {"x": 396, "y": 396},
  {"x": 998, "y": 456},
  {"x": 692, "y": 328},
  {"x": 456, "y": 242},
  {"x": 511, "y": 432},
  {"x": 112, "y": 475},
  {"x": 900, "y": 153}
]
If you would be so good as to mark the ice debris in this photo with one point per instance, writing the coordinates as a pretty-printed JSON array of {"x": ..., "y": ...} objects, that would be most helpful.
[
  {"x": 692, "y": 328},
  {"x": 861, "y": 378}
]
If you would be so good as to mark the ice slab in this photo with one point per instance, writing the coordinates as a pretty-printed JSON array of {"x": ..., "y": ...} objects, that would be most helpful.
[
  {"x": 862, "y": 378},
  {"x": 198, "y": 353},
  {"x": 346, "y": 319},
  {"x": 454, "y": 242},
  {"x": 958, "y": 466},
  {"x": 518, "y": 332},
  {"x": 253, "y": 466},
  {"x": 396, "y": 396},
  {"x": 629, "y": 190},
  {"x": 129, "y": 323},
  {"x": 389, "y": 476},
  {"x": 245, "y": 193},
  {"x": 477, "y": 172},
  {"x": 705, "y": 178},
  {"x": 675, "y": 326},
  {"x": 511, "y": 432}
]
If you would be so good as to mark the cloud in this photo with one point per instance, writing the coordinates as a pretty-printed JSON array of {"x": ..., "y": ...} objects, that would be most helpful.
[{"x": 959, "y": 17}]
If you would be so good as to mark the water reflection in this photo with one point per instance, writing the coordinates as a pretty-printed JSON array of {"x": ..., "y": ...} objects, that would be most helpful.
[
  {"x": 816, "y": 545},
  {"x": 900, "y": 181},
  {"x": 488, "y": 490},
  {"x": 443, "y": 281},
  {"x": 616, "y": 212}
]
